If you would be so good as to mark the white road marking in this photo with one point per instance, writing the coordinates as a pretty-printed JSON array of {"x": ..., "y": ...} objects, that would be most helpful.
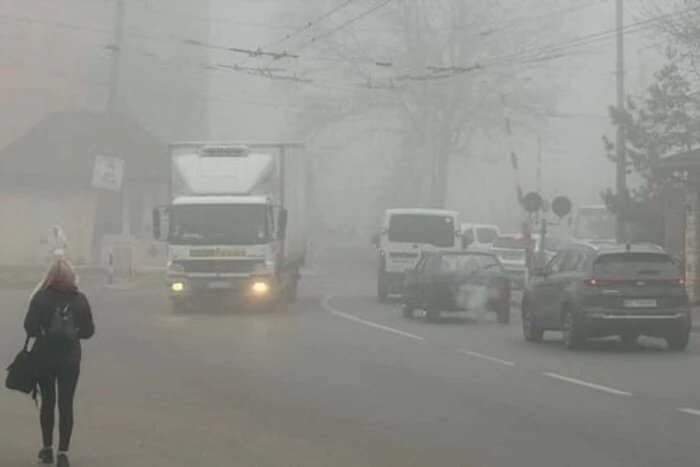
[
  {"x": 579, "y": 382},
  {"x": 485, "y": 357},
  {"x": 327, "y": 305},
  {"x": 690, "y": 411}
]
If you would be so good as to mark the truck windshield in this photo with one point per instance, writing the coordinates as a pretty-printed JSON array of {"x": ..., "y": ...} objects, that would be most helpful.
[
  {"x": 226, "y": 224},
  {"x": 596, "y": 223},
  {"x": 422, "y": 228}
]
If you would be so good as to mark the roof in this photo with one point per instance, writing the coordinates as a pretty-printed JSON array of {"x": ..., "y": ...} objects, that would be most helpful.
[
  {"x": 220, "y": 199},
  {"x": 681, "y": 161},
  {"x": 480, "y": 226},
  {"x": 460, "y": 253},
  {"x": 427, "y": 212},
  {"x": 64, "y": 145}
]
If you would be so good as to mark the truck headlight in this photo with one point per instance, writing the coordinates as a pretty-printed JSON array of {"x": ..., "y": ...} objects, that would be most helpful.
[
  {"x": 177, "y": 286},
  {"x": 260, "y": 288}
]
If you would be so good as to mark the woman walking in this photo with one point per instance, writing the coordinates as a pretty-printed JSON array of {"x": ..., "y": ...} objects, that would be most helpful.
[{"x": 59, "y": 316}]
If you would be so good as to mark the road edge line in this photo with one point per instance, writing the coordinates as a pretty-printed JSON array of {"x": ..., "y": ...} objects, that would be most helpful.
[
  {"x": 688, "y": 411},
  {"x": 486, "y": 357},
  {"x": 326, "y": 304},
  {"x": 587, "y": 384}
]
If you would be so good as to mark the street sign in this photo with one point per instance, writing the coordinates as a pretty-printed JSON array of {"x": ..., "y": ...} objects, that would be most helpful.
[
  {"x": 561, "y": 206},
  {"x": 108, "y": 173},
  {"x": 532, "y": 202}
]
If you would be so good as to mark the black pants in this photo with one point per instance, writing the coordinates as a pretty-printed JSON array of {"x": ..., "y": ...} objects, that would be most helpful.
[{"x": 65, "y": 378}]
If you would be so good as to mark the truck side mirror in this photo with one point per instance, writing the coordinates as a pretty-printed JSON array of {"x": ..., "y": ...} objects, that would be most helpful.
[
  {"x": 375, "y": 240},
  {"x": 161, "y": 223},
  {"x": 282, "y": 224}
]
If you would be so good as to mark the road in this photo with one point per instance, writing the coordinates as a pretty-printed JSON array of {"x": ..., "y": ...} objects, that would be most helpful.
[{"x": 340, "y": 380}]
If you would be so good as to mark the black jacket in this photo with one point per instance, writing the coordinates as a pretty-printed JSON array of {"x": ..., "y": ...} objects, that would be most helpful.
[{"x": 38, "y": 320}]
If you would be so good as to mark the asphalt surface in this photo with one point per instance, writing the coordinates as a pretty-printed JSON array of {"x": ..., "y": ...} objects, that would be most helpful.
[{"x": 341, "y": 380}]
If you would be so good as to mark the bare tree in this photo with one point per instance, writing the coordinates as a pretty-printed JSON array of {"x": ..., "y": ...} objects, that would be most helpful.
[{"x": 436, "y": 70}]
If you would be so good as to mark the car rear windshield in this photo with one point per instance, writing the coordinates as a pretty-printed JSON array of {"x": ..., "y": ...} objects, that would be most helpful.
[
  {"x": 636, "y": 266},
  {"x": 510, "y": 243},
  {"x": 486, "y": 234},
  {"x": 422, "y": 228}
]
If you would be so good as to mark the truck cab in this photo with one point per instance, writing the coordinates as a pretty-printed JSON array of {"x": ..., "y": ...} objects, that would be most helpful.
[{"x": 404, "y": 235}]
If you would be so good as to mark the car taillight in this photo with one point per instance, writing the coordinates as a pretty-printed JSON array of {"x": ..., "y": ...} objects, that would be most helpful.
[{"x": 593, "y": 282}]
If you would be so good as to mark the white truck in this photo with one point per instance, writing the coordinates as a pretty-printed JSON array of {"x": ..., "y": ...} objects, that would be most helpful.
[
  {"x": 407, "y": 232},
  {"x": 236, "y": 227},
  {"x": 594, "y": 223}
]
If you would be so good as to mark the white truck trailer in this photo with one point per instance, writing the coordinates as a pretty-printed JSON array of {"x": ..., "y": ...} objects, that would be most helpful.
[{"x": 236, "y": 226}]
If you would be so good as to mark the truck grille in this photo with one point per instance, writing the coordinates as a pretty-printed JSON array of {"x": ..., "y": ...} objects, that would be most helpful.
[{"x": 227, "y": 266}]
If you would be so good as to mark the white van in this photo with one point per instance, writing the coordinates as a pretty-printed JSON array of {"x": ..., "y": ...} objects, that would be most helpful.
[
  {"x": 404, "y": 235},
  {"x": 479, "y": 236}
]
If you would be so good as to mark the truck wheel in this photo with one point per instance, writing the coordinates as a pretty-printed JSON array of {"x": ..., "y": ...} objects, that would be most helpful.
[
  {"x": 407, "y": 311},
  {"x": 178, "y": 307},
  {"x": 382, "y": 288},
  {"x": 292, "y": 292},
  {"x": 503, "y": 313}
]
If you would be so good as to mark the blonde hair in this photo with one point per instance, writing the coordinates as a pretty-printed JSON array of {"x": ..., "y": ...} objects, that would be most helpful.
[{"x": 60, "y": 270}]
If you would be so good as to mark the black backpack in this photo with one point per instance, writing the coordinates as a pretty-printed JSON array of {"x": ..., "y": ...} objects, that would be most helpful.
[{"x": 62, "y": 326}]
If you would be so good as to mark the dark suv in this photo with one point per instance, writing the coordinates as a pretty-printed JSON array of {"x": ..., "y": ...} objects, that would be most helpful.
[{"x": 589, "y": 291}]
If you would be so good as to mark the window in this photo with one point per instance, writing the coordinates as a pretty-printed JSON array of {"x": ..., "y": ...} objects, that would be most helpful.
[
  {"x": 467, "y": 237},
  {"x": 486, "y": 234},
  {"x": 230, "y": 224},
  {"x": 511, "y": 243},
  {"x": 636, "y": 266},
  {"x": 421, "y": 263},
  {"x": 555, "y": 266},
  {"x": 431, "y": 265},
  {"x": 422, "y": 228},
  {"x": 573, "y": 261}
]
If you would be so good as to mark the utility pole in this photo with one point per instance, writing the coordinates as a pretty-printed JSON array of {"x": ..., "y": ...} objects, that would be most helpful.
[
  {"x": 539, "y": 164},
  {"x": 621, "y": 179},
  {"x": 116, "y": 49}
]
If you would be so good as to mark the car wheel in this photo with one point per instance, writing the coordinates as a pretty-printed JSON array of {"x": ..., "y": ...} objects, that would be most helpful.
[
  {"x": 531, "y": 330},
  {"x": 407, "y": 311},
  {"x": 678, "y": 341},
  {"x": 432, "y": 314},
  {"x": 179, "y": 307},
  {"x": 629, "y": 339},
  {"x": 573, "y": 336},
  {"x": 382, "y": 288}
]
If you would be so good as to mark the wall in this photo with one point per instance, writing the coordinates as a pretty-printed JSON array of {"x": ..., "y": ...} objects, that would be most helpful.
[{"x": 28, "y": 214}]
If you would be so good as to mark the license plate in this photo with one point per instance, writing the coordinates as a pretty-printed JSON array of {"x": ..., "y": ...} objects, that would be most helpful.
[
  {"x": 219, "y": 285},
  {"x": 640, "y": 304}
]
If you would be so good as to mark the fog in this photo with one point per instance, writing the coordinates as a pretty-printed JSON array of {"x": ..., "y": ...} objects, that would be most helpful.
[
  {"x": 542, "y": 70},
  {"x": 350, "y": 232},
  {"x": 560, "y": 124}
]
